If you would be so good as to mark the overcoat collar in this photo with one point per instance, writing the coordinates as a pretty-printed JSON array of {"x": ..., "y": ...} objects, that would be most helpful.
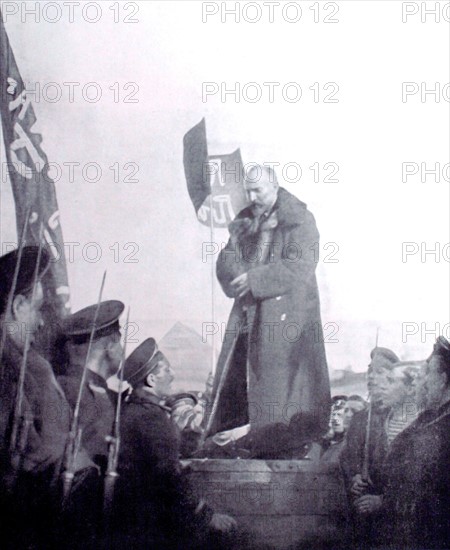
[
  {"x": 429, "y": 418},
  {"x": 290, "y": 210},
  {"x": 142, "y": 397}
]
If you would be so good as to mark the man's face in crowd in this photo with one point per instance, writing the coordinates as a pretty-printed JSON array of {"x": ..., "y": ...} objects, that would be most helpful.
[
  {"x": 162, "y": 378},
  {"x": 431, "y": 384},
  {"x": 28, "y": 313},
  {"x": 392, "y": 389},
  {"x": 351, "y": 407},
  {"x": 337, "y": 419},
  {"x": 261, "y": 192},
  {"x": 376, "y": 375}
]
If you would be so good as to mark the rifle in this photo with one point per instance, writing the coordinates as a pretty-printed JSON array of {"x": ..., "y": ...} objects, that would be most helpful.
[
  {"x": 21, "y": 424},
  {"x": 74, "y": 438},
  {"x": 114, "y": 440},
  {"x": 12, "y": 290},
  {"x": 365, "y": 464}
]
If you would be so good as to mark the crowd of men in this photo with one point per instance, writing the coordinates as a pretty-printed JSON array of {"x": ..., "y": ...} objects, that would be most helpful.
[
  {"x": 394, "y": 457},
  {"x": 59, "y": 441},
  {"x": 57, "y": 474}
]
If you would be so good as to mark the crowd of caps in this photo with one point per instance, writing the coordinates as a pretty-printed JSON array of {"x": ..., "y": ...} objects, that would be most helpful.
[{"x": 114, "y": 473}]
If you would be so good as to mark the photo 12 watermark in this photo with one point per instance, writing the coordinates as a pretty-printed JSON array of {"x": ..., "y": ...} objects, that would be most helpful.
[
  {"x": 425, "y": 92},
  {"x": 271, "y": 92},
  {"x": 424, "y": 252},
  {"x": 426, "y": 331},
  {"x": 55, "y": 12},
  {"x": 71, "y": 172},
  {"x": 426, "y": 12},
  {"x": 425, "y": 172},
  {"x": 270, "y": 12},
  {"x": 89, "y": 252}
]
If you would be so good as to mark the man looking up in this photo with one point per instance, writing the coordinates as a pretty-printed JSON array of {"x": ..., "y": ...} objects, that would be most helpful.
[{"x": 155, "y": 504}]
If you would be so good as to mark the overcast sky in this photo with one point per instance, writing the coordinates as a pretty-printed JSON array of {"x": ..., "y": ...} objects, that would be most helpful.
[{"x": 169, "y": 54}]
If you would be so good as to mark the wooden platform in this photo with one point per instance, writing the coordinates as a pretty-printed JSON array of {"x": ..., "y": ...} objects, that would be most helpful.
[{"x": 280, "y": 503}]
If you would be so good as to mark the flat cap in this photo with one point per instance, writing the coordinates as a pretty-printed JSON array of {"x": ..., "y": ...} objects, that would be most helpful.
[
  {"x": 387, "y": 354},
  {"x": 142, "y": 361},
  {"x": 26, "y": 272},
  {"x": 78, "y": 326}
]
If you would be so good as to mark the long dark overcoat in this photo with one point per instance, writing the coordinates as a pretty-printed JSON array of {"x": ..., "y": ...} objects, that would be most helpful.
[
  {"x": 286, "y": 370},
  {"x": 417, "y": 493}
]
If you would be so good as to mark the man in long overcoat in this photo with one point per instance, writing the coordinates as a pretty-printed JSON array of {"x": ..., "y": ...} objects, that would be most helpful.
[{"x": 274, "y": 344}]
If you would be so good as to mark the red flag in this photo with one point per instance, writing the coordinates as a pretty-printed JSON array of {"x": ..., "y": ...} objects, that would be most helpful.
[
  {"x": 27, "y": 166},
  {"x": 216, "y": 179}
]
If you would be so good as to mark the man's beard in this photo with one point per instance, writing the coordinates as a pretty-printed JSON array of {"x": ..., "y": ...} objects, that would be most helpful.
[{"x": 258, "y": 209}]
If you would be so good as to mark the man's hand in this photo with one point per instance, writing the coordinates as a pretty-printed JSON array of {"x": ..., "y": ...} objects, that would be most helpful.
[
  {"x": 240, "y": 285},
  {"x": 368, "y": 504},
  {"x": 359, "y": 486},
  {"x": 222, "y": 522}
]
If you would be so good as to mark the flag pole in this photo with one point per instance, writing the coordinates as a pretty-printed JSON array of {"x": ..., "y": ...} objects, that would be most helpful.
[{"x": 213, "y": 286}]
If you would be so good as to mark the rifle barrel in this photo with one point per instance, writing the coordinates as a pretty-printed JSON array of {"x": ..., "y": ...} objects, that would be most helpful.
[{"x": 74, "y": 438}]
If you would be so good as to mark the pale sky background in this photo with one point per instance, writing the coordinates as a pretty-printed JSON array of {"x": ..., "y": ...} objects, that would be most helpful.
[{"x": 369, "y": 213}]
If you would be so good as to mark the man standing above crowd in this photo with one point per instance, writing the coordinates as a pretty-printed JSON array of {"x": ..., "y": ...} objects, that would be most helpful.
[
  {"x": 273, "y": 350},
  {"x": 417, "y": 494}
]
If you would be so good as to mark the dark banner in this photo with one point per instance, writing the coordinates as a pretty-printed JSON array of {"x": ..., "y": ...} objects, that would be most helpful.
[{"x": 27, "y": 167}]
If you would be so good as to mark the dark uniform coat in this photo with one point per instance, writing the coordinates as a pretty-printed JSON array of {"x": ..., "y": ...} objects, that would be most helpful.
[
  {"x": 44, "y": 403},
  {"x": 417, "y": 492},
  {"x": 33, "y": 500},
  {"x": 155, "y": 504},
  {"x": 366, "y": 530},
  {"x": 96, "y": 410},
  {"x": 287, "y": 369},
  {"x": 352, "y": 455}
]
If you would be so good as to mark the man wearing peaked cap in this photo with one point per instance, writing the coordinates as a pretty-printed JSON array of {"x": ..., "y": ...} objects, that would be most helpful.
[
  {"x": 96, "y": 408},
  {"x": 382, "y": 361},
  {"x": 417, "y": 495},
  {"x": 155, "y": 504},
  {"x": 44, "y": 403}
]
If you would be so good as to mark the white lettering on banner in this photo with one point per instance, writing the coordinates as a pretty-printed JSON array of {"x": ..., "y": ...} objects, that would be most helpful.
[
  {"x": 223, "y": 211},
  {"x": 224, "y": 203},
  {"x": 217, "y": 173},
  {"x": 21, "y": 100},
  {"x": 24, "y": 142},
  {"x": 53, "y": 221},
  {"x": 203, "y": 213}
]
